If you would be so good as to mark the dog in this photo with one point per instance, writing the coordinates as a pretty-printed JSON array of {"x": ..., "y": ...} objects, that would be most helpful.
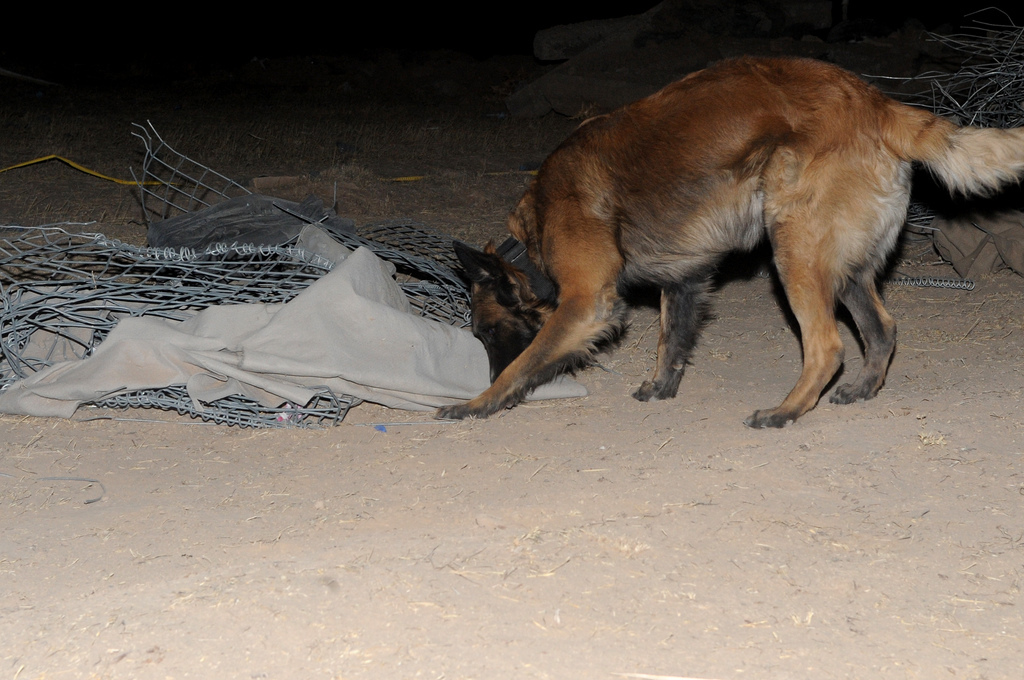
[{"x": 797, "y": 151}]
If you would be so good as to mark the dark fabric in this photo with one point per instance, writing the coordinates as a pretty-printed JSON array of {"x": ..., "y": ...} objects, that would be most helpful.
[{"x": 981, "y": 245}]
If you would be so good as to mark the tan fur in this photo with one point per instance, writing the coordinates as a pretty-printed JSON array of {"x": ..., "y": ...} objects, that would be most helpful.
[{"x": 798, "y": 151}]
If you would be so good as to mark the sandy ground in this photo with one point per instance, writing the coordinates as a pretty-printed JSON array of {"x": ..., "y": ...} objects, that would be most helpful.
[
  {"x": 596, "y": 537},
  {"x": 589, "y": 538}
]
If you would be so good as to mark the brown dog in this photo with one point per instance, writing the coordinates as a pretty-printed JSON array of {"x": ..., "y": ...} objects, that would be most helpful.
[{"x": 659, "y": 191}]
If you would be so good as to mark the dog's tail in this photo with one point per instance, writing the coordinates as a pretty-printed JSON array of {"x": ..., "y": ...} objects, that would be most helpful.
[{"x": 968, "y": 160}]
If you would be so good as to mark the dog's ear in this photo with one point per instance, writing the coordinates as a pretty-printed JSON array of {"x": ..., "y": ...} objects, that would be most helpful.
[
  {"x": 486, "y": 269},
  {"x": 481, "y": 267}
]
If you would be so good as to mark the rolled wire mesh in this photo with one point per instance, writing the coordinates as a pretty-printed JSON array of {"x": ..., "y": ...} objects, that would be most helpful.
[
  {"x": 172, "y": 183},
  {"x": 325, "y": 408},
  {"x": 61, "y": 292}
]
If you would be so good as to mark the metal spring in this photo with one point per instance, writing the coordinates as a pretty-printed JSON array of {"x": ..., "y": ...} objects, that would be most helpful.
[{"x": 934, "y": 282}]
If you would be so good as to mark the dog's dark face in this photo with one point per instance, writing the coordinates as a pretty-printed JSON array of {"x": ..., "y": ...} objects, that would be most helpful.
[{"x": 506, "y": 312}]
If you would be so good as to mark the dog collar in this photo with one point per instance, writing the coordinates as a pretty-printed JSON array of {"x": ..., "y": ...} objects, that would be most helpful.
[{"x": 513, "y": 251}]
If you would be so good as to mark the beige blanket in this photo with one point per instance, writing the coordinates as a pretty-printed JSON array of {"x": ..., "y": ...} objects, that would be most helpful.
[{"x": 351, "y": 331}]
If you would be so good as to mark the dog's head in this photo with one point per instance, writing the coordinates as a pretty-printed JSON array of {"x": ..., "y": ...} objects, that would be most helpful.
[{"x": 509, "y": 304}]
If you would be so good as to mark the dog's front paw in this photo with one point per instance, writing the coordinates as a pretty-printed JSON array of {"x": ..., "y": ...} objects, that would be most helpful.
[
  {"x": 474, "y": 408},
  {"x": 454, "y": 412},
  {"x": 769, "y": 418}
]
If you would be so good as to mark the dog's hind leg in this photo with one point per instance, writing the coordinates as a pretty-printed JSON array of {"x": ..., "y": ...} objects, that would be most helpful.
[
  {"x": 877, "y": 331},
  {"x": 682, "y": 309},
  {"x": 806, "y": 277}
]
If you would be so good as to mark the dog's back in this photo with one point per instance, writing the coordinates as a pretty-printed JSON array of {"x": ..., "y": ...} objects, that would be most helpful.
[
  {"x": 798, "y": 151},
  {"x": 735, "y": 147}
]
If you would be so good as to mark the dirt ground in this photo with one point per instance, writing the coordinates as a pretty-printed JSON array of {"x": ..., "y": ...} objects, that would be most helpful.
[{"x": 596, "y": 537}]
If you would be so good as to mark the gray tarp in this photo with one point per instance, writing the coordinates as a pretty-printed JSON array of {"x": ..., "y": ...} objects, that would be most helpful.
[{"x": 351, "y": 331}]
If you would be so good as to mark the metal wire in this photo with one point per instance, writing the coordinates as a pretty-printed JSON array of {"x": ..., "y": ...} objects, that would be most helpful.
[
  {"x": 933, "y": 282},
  {"x": 61, "y": 293},
  {"x": 172, "y": 183},
  {"x": 325, "y": 408}
]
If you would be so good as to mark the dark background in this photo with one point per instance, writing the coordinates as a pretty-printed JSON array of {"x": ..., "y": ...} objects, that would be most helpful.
[{"x": 47, "y": 42}]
